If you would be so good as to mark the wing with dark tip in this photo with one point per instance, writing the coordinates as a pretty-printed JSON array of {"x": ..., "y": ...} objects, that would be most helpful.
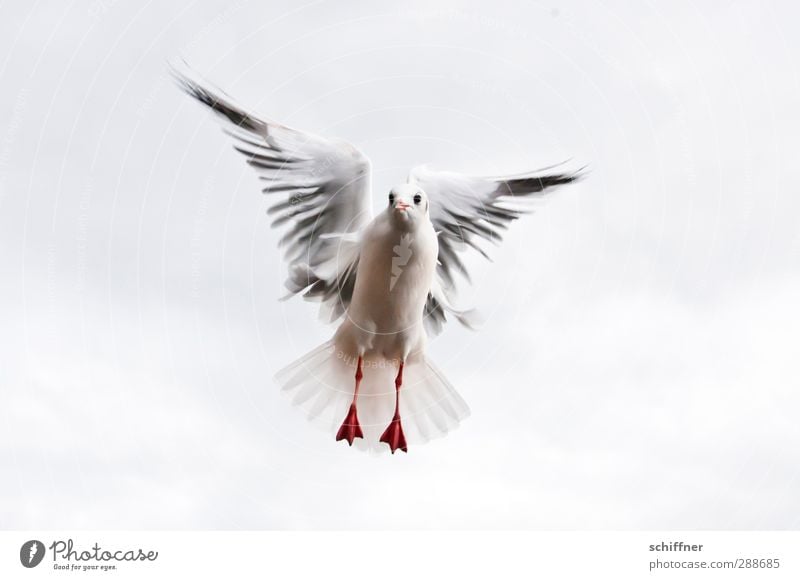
[
  {"x": 467, "y": 211},
  {"x": 319, "y": 190}
]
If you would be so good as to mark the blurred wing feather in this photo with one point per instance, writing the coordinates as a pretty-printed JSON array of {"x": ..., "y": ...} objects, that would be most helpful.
[
  {"x": 319, "y": 189},
  {"x": 467, "y": 211}
]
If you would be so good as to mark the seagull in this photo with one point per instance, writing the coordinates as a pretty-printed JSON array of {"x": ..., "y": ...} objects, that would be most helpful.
[{"x": 388, "y": 279}]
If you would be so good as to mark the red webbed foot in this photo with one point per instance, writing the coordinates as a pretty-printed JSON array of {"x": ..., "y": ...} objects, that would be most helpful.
[
  {"x": 393, "y": 436},
  {"x": 350, "y": 428}
]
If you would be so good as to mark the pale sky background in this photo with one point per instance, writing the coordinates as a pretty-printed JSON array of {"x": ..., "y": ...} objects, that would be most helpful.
[{"x": 638, "y": 367}]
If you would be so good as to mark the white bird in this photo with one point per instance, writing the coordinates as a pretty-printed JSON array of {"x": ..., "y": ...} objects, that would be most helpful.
[{"x": 389, "y": 278}]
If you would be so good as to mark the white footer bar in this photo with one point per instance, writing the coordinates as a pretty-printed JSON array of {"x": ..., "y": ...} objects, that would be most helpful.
[{"x": 406, "y": 555}]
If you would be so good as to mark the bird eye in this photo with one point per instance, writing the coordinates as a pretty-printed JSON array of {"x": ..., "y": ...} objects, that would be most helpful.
[
  {"x": 417, "y": 198},
  {"x": 391, "y": 198}
]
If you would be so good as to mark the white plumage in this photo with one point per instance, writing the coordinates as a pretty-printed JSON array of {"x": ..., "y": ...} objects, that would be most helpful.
[{"x": 391, "y": 278}]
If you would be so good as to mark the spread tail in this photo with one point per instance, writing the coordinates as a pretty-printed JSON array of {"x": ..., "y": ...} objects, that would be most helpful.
[{"x": 321, "y": 383}]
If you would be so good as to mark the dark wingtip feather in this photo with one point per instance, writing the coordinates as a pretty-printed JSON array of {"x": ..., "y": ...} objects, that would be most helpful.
[
  {"x": 532, "y": 183},
  {"x": 214, "y": 98}
]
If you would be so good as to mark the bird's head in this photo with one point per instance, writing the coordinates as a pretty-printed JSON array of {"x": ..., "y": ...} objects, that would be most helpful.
[{"x": 408, "y": 206}]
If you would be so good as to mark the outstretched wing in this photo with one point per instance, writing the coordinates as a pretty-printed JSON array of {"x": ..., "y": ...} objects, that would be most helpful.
[
  {"x": 320, "y": 194},
  {"x": 465, "y": 211}
]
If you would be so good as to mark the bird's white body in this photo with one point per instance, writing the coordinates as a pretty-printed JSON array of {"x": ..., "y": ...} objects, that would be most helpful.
[
  {"x": 383, "y": 328},
  {"x": 394, "y": 277}
]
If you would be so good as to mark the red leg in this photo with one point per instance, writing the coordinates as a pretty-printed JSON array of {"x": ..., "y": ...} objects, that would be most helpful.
[
  {"x": 350, "y": 428},
  {"x": 393, "y": 436}
]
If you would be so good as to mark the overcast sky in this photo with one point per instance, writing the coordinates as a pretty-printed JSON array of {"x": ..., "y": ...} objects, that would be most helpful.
[{"x": 638, "y": 367}]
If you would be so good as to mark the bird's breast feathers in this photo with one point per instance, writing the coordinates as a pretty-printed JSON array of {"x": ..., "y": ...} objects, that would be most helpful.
[{"x": 395, "y": 272}]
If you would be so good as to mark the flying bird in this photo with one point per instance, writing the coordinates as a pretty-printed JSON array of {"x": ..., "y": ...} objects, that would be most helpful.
[{"x": 388, "y": 279}]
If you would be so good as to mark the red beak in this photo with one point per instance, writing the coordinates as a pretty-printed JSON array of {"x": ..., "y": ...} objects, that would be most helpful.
[{"x": 401, "y": 205}]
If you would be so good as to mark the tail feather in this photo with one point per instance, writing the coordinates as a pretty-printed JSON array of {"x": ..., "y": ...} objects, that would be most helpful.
[{"x": 321, "y": 383}]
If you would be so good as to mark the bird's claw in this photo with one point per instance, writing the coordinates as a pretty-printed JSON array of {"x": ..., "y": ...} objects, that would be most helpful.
[
  {"x": 350, "y": 428},
  {"x": 393, "y": 436}
]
